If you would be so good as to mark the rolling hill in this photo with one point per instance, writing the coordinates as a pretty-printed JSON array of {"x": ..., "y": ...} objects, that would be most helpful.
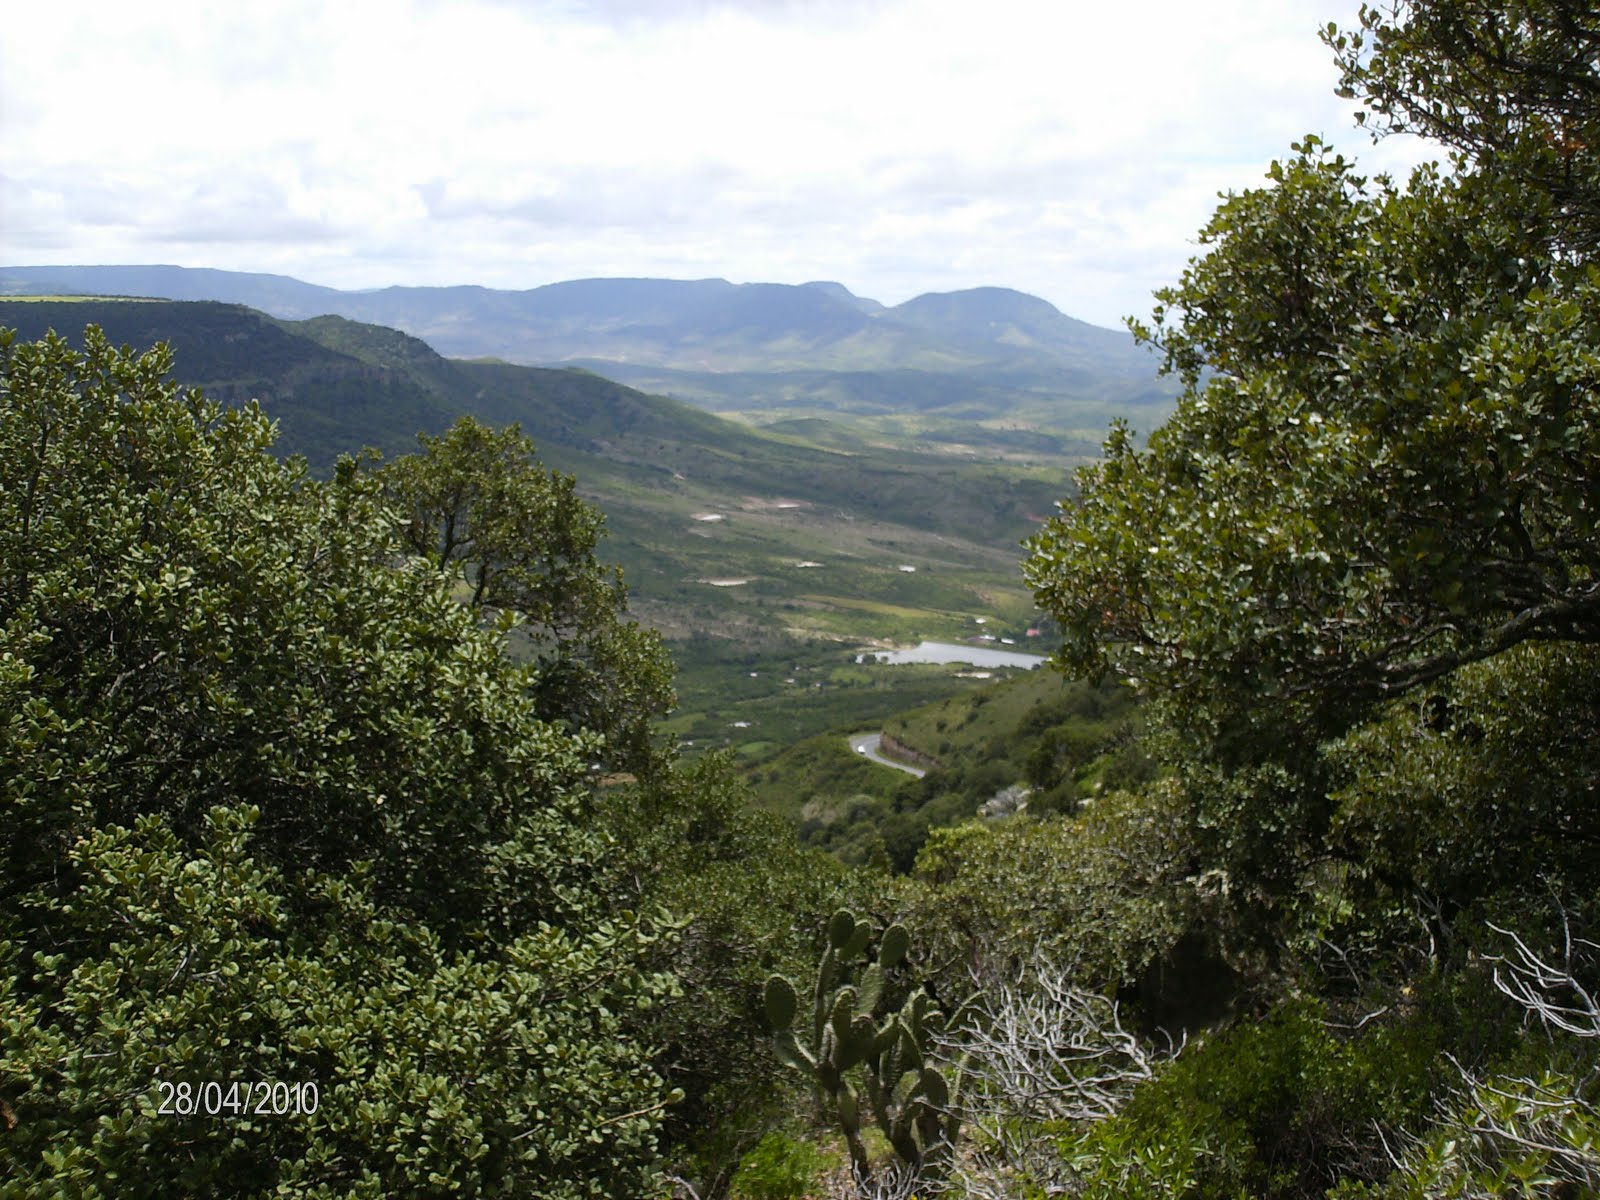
[
  {"x": 986, "y": 354},
  {"x": 711, "y": 519}
]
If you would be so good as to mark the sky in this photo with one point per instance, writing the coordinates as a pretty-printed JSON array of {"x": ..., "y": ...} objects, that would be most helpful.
[{"x": 1064, "y": 149}]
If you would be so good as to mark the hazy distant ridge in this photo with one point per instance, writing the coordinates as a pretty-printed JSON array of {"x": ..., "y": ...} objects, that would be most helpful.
[{"x": 685, "y": 324}]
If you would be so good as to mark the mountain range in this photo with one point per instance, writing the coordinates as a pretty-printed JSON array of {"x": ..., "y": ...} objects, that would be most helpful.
[
  {"x": 984, "y": 354},
  {"x": 885, "y": 465}
]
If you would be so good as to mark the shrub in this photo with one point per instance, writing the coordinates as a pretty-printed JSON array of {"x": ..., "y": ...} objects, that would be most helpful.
[{"x": 1280, "y": 1110}]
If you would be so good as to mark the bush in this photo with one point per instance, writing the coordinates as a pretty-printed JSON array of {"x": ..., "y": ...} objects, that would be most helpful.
[
  {"x": 1105, "y": 889},
  {"x": 276, "y": 809},
  {"x": 1281, "y": 1110},
  {"x": 434, "y": 1070}
]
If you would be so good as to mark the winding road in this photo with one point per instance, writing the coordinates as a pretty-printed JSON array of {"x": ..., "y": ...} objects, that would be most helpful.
[{"x": 868, "y": 743}]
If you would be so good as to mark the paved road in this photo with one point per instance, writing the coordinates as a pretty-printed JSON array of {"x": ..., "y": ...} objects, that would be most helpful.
[{"x": 867, "y": 744}]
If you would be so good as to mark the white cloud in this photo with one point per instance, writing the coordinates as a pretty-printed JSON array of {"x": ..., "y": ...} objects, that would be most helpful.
[{"x": 900, "y": 146}]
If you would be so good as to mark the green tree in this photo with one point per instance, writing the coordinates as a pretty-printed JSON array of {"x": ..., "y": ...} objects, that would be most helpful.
[
  {"x": 188, "y": 622},
  {"x": 477, "y": 502},
  {"x": 1513, "y": 85},
  {"x": 276, "y": 807},
  {"x": 1359, "y": 570},
  {"x": 1385, "y": 463}
]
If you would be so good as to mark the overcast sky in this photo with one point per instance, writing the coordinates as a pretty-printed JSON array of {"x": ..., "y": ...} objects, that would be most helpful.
[{"x": 1066, "y": 149}]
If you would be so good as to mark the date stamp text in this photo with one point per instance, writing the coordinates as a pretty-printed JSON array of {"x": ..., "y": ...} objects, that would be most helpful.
[{"x": 240, "y": 1098}]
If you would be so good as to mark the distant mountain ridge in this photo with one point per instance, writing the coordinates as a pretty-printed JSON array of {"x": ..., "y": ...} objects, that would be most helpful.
[
  {"x": 984, "y": 362},
  {"x": 676, "y": 324}
]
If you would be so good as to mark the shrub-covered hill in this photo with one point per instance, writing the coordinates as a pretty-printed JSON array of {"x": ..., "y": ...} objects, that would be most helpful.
[
  {"x": 1046, "y": 743},
  {"x": 336, "y": 385},
  {"x": 327, "y": 402},
  {"x": 1063, "y": 740},
  {"x": 689, "y": 497}
]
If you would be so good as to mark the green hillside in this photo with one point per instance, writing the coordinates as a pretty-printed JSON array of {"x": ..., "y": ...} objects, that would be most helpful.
[
  {"x": 338, "y": 384},
  {"x": 1053, "y": 744},
  {"x": 327, "y": 402},
  {"x": 762, "y": 541}
]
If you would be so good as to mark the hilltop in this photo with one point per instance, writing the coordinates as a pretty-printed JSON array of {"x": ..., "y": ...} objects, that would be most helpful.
[{"x": 984, "y": 354}]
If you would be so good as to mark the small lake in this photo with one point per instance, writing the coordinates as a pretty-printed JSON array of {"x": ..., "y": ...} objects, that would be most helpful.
[{"x": 949, "y": 652}]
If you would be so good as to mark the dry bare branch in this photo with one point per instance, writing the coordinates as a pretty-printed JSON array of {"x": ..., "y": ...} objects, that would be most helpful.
[
  {"x": 1551, "y": 992},
  {"x": 1040, "y": 1051},
  {"x": 1547, "y": 1125}
]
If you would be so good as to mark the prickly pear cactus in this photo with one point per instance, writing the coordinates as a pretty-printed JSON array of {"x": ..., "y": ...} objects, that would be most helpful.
[{"x": 915, "y": 1103}]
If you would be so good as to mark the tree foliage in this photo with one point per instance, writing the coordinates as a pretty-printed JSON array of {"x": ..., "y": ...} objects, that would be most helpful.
[
  {"x": 1485, "y": 781},
  {"x": 1384, "y": 468},
  {"x": 477, "y": 502},
  {"x": 188, "y": 622},
  {"x": 1104, "y": 890},
  {"x": 1359, "y": 569},
  {"x": 1514, "y": 86},
  {"x": 436, "y": 1072},
  {"x": 276, "y": 807},
  {"x": 1386, "y": 462}
]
